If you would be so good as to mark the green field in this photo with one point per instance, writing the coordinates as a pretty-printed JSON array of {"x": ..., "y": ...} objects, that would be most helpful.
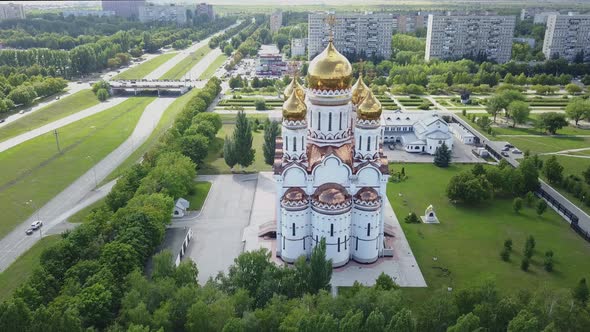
[
  {"x": 142, "y": 70},
  {"x": 186, "y": 64},
  {"x": 468, "y": 240},
  {"x": 197, "y": 199},
  {"x": 165, "y": 122},
  {"x": 19, "y": 271},
  {"x": 214, "y": 163},
  {"x": 544, "y": 144},
  {"x": 213, "y": 67},
  {"x": 34, "y": 170},
  {"x": 55, "y": 111},
  {"x": 80, "y": 216}
]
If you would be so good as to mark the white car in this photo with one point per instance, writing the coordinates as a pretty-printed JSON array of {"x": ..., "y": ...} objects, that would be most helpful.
[{"x": 36, "y": 224}]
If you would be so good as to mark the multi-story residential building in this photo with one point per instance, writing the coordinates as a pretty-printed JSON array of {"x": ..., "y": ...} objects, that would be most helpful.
[
  {"x": 270, "y": 62},
  {"x": 170, "y": 13},
  {"x": 205, "y": 9},
  {"x": 480, "y": 37},
  {"x": 11, "y": 11},
  {"x": 541, "y": 18},
  {"x": 568, "y": 37},
  {"x": 276, "y": 21},
  {"x": 409, "y": 23},
  {"x": 123, "y": 8},
  {"x": 365, "y": 35},
  {"x": 81, "y": 12},
  {"x": 298, "y": 46}
]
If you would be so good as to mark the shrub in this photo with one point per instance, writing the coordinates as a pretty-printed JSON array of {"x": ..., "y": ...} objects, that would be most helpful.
[
  {"x": 541, "y": 207},
  {"x": 505, "y": 254},
  {"x": 517, "y": 204},
  {"x": 508, "y": 244},
  {"x": 524, "y": 265},
  {"x": 260, "y": 104},
  {"x": 102, "y": 94},
  {"x": 548, "y": 261},
  {"x": 412, "y": 218}
]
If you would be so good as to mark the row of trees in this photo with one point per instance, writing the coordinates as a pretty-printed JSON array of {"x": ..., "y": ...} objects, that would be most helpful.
[
  {"x": 20, "y": 89},
  {"x": 82, "y": 279}
]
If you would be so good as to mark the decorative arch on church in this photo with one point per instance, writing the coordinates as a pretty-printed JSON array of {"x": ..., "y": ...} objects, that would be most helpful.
[
  {"x": 331, "y": 169},
  {"x": 368, "y": 176},
  {"x": 294, "y": 176}
]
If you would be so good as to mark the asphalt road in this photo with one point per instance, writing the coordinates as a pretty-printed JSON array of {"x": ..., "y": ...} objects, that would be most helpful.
[
  {"x": 16, "y": 242},
  {"x": 217, "y": 231},
  {"x": 16, "y": 140},
  {"x": 202, "y": 65}
]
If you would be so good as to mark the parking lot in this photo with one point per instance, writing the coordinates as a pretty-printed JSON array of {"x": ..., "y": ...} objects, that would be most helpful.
[{"x": 461, "y": 154}]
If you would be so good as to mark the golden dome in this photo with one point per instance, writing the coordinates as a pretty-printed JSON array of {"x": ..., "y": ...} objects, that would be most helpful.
[
  {"x": 294, "y": 86},
  {"x": 294, "y": 109},
  {"x": 370, "y": 108},
  {"x": 330, "y": 70},
  {"x": 359, "y": 91}
]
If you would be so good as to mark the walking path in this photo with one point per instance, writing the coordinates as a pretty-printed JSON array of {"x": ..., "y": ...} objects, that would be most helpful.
[
  {"x": 198, "y": 69},
  {"x": 16, "y": 242},
  {"x": 16, "y": 140}
]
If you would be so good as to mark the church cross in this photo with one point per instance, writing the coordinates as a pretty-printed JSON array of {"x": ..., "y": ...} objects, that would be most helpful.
[{"x": 331, "y": 21}]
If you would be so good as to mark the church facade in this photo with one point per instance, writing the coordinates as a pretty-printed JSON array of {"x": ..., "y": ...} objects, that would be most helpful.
[{"x": 329, "y": 167}]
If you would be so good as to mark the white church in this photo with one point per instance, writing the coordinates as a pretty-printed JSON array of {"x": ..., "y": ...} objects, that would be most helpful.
[{"x": 329, "y": 167}]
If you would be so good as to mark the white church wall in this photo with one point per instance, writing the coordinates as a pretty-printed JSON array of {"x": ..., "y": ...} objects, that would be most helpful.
[
  {"x": 294, "y": 142},
  {"x": 336, "y": 230},
  {"x": 296, "y": 232},
  {"x": 368, "y": 176},
  {"x": 365, "y": 235},
  {"x": 329, "y": 122},
  {"x": 294, "y": 176},
  {"x": 331, "y": 170},
  {"x": 367, "y": 141}
]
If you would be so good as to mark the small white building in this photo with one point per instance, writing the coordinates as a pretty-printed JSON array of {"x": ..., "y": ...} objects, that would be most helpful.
[
  {"x": 180, "y": 208},
  {"x": 418, "y": 132},
  {"x": 298, "y": 46},
  {"x": 462, "y": 134}
]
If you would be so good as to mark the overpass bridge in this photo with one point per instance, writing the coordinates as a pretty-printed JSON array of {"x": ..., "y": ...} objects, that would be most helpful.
[{"x": 159, "y": 86}]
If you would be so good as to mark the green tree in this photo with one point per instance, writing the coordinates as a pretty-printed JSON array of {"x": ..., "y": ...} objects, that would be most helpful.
[
  {"x": 352, "y": 321},
  {"x": 242, "y": 140},
  {"x": 573, "y": 89},
  {"x": 578, "y": 109},
  {"x": 552, "y": 121},
  {"x": 517, "y": 204},
  {"x": 375, "y": 322},
  {"x": 385, "y": 282},
  {"x": 468, "y": 188},
  {"x": 548, "y": 261},
  {"x": 530, "y": 176},
  {"x": 442, "y": 156},
  {"x": 271, "y": 131},
  {"x": 195, "y": 147},
  {"x": 95, "y": 305},
  {"x": 321, "y": 269},
  {"x": 402, "y": 321},
  {"x": 524, "y": 264},
  {"x": 22, "y": 95},
  {"x": 524, "y": 322},
  {"x": 260, "y": 104},
  {"x": 229, "y": 152},
  {"x": 519, "y": 111},
  {"x": 586, "y": 175},
  {"x": 553, "y": 170},
  {"x": 541, "y": 207},
  {"x": 580, "y": 292},
  {"x": 102, "y": 94},
  {"x": 14, "y": 315},
  {"x": 465, "y": 323}
]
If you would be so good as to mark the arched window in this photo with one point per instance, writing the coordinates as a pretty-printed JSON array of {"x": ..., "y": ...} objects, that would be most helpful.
[
  {"x": 331, "y": 229},
  {"x": 368, "y": 143},
  {"x": 319, "y": 120},
  {"x": 360, "y": 142},
  {"x": 330, "y": 121},
  {"x": 295, "y": 143},
  {"x": 369, "y": 229},
  {"x": 340, "y": 122}
]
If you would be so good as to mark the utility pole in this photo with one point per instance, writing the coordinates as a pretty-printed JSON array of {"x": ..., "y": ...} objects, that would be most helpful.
[{"x": 57, "y": 140}]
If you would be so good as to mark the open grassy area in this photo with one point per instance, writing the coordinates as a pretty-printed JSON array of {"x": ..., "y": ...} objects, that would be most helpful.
[
  {"x": 36, "y": 170},
  {"x": 467, "y": 242},
  {"x": 19, "y": 271},
  {"x": 197, "y": 199},
  {"x": 80, "y": 216},
  {"x": 213, "y": 67},
  {"x": 55, "y": 111},
  {"x": 181, "y": 68},
  {"x": 214, "y": 163},
  {"x": 165, "y": 122},
  {"x": 142, "y": 70},
  {"x": 544, "y": 144}
]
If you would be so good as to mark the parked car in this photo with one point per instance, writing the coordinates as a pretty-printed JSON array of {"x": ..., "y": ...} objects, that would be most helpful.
[
  {"x": 21, "y": 112},
  {"x": 505, "y": 149},
  {"x": 36, "y": 224},
  {"x": 505, "y": 154},
  {"x": 516, "y": 151},
  {"x": 29, "y": 231},
  {"x": 2, "y": 120},
  {"x": 510, "y": 146},
  {"x": 57, "y": 98}
]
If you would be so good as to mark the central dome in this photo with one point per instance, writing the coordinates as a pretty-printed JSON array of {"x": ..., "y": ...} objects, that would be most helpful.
[{"x": 330, "y": 71}]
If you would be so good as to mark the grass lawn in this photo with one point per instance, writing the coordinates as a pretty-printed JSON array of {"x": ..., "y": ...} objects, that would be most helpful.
[
  {"x": 544, "y": 144},
  {"x": 214, "y": 163},
  {"x": 165, "y": 122},
  {"x": 80, "y": 216},
  {"x": 186, "y": 64},
  {"x": 142, "y": 70},
  {"x": 468, "y": 240},
  {"x": 35, "y": 170},
  {"x": 55, "y": 111},
  {"x": 213, "y": 67},
  {"x": 197, "y": 199},
  {"x": 20, "y": 271},
  {"x": 573, "y": 166}
]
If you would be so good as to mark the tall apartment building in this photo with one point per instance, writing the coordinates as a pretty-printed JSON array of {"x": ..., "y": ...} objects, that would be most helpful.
[
  {"x": 205, "y": 9},
  {"x": 276, "y": 21},
  {"x": 541, "y": 18},
  {"x": 483, "y": 37},
  {"x": 298, "y": 46},
  {"x": 366, "y": 34},
  {"x": 11, "y": 11},
  {"x": 409, "y": 23},
  {"x": 123, "y": 8},
  {"x": 162, "y": 13},
  {"x": 567, "y": 36},
  {"x": 82, "y": 12}
]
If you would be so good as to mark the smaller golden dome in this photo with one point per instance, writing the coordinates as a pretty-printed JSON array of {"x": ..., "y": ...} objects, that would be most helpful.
[
  {"x": 294, "y": 86},
  {"x": 330, "y": 70},
  {"x": 359, "y": 91},
  {"x": 294, "y": 109},
  {"x": 370, "y": 108}
]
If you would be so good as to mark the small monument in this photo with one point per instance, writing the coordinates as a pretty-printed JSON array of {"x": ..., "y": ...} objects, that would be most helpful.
[{"x": 429, "y": 216}]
